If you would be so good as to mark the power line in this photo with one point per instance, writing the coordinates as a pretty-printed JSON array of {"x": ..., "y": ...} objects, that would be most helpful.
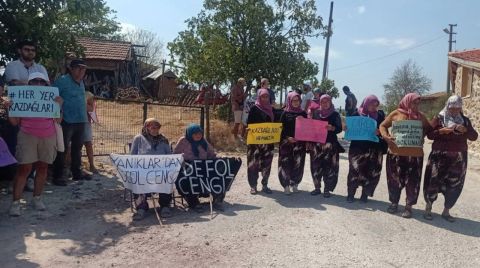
[{"x": 388, "y": 55}]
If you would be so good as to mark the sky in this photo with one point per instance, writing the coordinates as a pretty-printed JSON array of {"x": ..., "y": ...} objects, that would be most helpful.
[{"x": 371, "y": 38}]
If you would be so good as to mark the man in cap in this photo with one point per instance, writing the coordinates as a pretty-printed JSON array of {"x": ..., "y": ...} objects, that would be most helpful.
[
  {"x": 36, "y": 147},
  {"x": 72, "y": 90}
]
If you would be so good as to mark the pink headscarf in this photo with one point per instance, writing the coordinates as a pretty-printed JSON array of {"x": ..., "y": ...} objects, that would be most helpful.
[
  {"x": 363, "y": 109},
  {"x": 405, "y": 105},
  {"x": 289, "y": 107},
  {"x": 324, "y": 113},
  {"x": 265, "y": 107}
]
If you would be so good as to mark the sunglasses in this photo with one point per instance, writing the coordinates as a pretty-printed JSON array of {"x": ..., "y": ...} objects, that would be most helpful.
[{"x": 38, "y": 82}]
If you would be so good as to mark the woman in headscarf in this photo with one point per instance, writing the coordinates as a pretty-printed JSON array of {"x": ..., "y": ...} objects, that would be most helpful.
[
  {"x": 151, "y": 142},
  {"x": 260, "y": 156},
  {"x": 324, "y": 158},
  {"x": 194, "y": 146},
  {"x": 366, "y": 157},
  {"x": 291, "y": 159},
  {"x": 447, "y": 163},
  {"x": 404, "y": 164}
]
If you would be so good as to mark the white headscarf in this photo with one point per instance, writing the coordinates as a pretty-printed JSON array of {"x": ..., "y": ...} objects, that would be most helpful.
[{"x": 450, "y": 120}]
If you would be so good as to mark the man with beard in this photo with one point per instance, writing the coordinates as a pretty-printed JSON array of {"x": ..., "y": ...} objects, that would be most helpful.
[{"x": 17, "y": 72}]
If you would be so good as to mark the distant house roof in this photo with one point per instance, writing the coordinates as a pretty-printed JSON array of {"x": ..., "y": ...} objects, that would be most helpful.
[
  {"x": 105, "y": 49},
  {"x": 157, "y": 73},
  {"x": 470, "y": 58},
  {"x": 434, "y": 96}
]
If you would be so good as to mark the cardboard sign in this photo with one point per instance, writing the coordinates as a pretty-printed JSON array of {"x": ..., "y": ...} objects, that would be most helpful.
[
  {"x": 33, "y": 101},
  {"x": 6, "y": 158},
  {"x": 207, "y": 176},
  {"x": 148, "y": 173},
  {"x": 361, "y": 128},
  {"x": 310, "y": 130},
  {"x": 408, "y": 133},
  {"x": 264, "y": 133}
]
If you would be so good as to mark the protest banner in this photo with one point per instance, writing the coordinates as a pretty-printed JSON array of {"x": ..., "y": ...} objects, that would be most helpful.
[
  {"x": 33, "y": 101},
  {"x": 310, "y": 130},
  {"x": 6, "y": 158},
  {"x": 361, "y": 128},
  {"x": 207, "y": 176},
  {"x": 408, "y": 133},
  {"x": 264, "y": 133},
  {"x": 148, "y": 173}
]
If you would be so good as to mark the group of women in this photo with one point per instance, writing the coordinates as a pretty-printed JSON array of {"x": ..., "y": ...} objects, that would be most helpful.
[{"x": 445, "y": 170}]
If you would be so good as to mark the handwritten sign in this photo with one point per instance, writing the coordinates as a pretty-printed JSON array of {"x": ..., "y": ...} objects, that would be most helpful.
[
  {"x": 33, "y": 101},
  {"x": 408, "y": 133},
  {"x": 264, "y": 133},
  {"x": 148, "y": 173},
  {"x": 310, "y": 130},
  {"x": 361, "y": 128},
  {"x": 6, "y": 158},
  {"x": 207, "y": 176}
]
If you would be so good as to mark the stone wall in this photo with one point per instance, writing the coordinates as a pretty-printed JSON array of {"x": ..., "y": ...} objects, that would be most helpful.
[{"x": 472, "y": 107}]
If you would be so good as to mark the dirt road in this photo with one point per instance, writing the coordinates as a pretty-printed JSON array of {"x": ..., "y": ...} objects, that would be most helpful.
[{"x": 89, "y": 225}]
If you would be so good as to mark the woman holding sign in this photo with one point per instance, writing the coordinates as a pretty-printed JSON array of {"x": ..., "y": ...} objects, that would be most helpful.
[
  {"x": 365, "y": 156},
  {"x": 194, "y": 146},
  {"x": 324, "y": 158},
  {"x": 151, "y": 142},
  {"x": 447, "y": 163},
  {"x": 260, "y": 156},
  {"x": 291, "y": 158},
  {"x": 405, "y": 151},
  {"x": 36, "y": 147}
]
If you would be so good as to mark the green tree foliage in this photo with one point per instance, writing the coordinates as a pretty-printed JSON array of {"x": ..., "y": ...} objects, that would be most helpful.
[
  {"x": 229, "y": 39},
  {"x": 53, "y": 24},
  {"x": 407, "y": 78},
  {"x": 326, "y": 86}
]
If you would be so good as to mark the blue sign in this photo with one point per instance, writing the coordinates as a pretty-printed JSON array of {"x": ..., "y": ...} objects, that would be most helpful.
[
  {"x": 33, "y": 101},
  {"x": 361, "y": 128}
]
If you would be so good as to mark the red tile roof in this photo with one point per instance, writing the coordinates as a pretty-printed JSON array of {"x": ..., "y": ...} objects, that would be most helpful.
[
  {"x": 468, "y": 55},
  {"x": 105, "y": 49}
]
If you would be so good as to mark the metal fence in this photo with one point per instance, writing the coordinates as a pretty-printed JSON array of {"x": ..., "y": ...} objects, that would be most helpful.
[{"x": 120, "y": 121}]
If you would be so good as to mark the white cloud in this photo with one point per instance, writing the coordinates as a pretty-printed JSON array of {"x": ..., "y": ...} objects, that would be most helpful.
[
  {"x": 125, "y": 27},
  {"x": 394, "y": 43},
  {"x": 317, "y": 54},
  {"x": 361, "y": 9}
]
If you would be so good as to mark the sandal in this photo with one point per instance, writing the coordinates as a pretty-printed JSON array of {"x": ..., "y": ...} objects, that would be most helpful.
[
  {"x": 253, "y": 191},
  {"x": 393, "y": 208},
  {"x": 448, "y": 217},
  {"x": 407, "y": 213},
  {"x": 428, "y": 216},
  {"x": 316, "y": 192},
  {"x": 326, "y": 194}
]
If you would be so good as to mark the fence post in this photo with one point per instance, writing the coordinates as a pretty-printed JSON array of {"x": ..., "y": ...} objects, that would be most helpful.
[
  {"x": 145, "y": 111},
  {"x": 207, "y": 116},
  {"x": 202, "y": 117}
]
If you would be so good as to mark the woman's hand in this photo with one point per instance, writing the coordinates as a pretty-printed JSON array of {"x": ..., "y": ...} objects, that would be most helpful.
[
  {"x": 330, "y": 127},
  {"x": 291, "y": 140},
  {"x": 389, "y": 139},
  {"x": 445, "y": 131},
  {"x": 59, "y": 100},
  {"x": 460, "y": 128}
]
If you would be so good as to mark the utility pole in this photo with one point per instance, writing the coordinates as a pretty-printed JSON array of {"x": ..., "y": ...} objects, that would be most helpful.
[
  {"x": 329, "y": 33},
  {"x": 450, "y": 41}
]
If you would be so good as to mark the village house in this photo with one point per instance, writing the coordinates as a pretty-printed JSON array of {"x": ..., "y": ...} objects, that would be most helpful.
[{"x": 464, "y": 67}]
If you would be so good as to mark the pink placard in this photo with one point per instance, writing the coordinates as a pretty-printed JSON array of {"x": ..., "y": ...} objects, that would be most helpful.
[{"x": 310, "y": 130}]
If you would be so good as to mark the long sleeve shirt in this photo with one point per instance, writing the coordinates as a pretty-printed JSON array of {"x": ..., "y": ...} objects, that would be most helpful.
[
  {"x": 141, "y": 145},
  {"x": 451, "y": 142},
  {"x": 185, "y": 147}
]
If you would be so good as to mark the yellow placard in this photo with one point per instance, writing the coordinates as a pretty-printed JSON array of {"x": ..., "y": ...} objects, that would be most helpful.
[{"x": 264, "y": 133}]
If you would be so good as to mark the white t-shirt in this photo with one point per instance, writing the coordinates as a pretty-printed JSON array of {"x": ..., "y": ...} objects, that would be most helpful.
[
  {"x": 306, "y": 97},
  {"x": 16, "y": 70}
]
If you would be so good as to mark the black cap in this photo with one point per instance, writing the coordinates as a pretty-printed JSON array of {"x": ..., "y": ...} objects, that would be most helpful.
[{"x": 77, "y": 63}]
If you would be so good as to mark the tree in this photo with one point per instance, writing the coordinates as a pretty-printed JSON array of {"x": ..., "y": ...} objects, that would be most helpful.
[
  {"x": 153, "y": 46},
  {"x": 327, "y": 86},
  {"x": 229, "y": 39},
  {"x": 54, "y": 25},
  {"x": 407, "y": 78}
]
